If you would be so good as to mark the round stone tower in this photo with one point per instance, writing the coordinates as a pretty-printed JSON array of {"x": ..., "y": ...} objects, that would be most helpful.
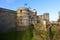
[
  {"x": 33, "y": 15},
  {"x": 23, "y": 18}
]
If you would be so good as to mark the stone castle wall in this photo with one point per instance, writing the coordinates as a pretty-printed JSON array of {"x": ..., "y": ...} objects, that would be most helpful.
[{"x": 7, "y": 20}]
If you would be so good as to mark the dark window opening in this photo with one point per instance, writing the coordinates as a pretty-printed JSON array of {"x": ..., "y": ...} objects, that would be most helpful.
[{"x": 20, "y": 10}]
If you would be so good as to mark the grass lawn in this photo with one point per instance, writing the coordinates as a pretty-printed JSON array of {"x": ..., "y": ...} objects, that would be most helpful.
[
  {"x": 17, "y": 35},
  {"x": 53, "y": 31},
  {"x": 21, "y": 35},
  {"x": 8, "y": 36}
]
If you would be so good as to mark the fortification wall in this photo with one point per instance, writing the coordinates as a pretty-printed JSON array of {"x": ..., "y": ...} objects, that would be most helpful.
[{"x": 7, "y": 20}]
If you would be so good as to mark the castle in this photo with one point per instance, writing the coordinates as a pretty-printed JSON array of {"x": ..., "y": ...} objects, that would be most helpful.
[{"x": 20, "y": 19}]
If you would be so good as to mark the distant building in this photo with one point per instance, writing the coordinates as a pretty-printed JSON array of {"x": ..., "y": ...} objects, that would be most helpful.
[
  {"x": 40, "y": 18},
  {"x": 46, "y": 16},
  {"x": 43, "y": 17},
  {"x": 59, "y": 17}
]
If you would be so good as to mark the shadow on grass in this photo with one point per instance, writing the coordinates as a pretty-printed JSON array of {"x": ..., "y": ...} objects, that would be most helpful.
[{"x": 17, "y": 35}]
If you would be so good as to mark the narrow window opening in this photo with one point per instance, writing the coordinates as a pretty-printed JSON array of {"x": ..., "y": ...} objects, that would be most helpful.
[{"x": 20, "y": 10}]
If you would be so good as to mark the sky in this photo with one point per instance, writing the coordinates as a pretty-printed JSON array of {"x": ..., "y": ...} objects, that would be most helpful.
[{"x": 42, "y": 6}]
